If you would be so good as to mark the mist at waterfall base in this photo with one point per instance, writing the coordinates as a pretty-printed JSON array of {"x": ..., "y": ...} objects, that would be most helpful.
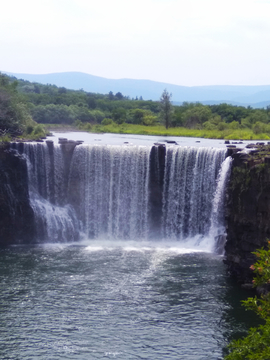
[{"x": 121, "y": 292}]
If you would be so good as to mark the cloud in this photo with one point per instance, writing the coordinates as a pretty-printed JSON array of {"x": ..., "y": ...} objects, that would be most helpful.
[{"x": 137, "y": 39}]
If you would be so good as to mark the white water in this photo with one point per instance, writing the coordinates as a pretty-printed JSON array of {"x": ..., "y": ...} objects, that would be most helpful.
[
  {"x": 55, "y": 219},
  {"x": 217, "y": 216},
  {"x": 113, "y": 190},
  {"x": 104, "y": 193},
  {"x": 190, "y": 184}
]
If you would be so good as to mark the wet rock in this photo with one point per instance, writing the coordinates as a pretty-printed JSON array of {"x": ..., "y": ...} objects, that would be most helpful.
[
  {"x": 250, "y": 146},
  {"x": 220, "y": 241},
  {"x": 232, "y": 149},
  {"x": 252, "y": 152},
  {"x": 159, "y": 144},
  {"x": 247, "y": 286},
  {"x": 247, "y": 211},
  {"x": 50, "y": 145},
  {"x": 16, "y": 215},
  {"x": 267, "y": 159}
]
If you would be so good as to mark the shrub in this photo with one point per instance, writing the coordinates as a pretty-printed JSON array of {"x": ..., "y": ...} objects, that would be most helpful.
[
  {"x": 106, "y": 121},
  {"x": 87, "y": 127},
  {"x": 39, "y": 130},
  {"x": 29, "y": 129},
  {"x": 256, "y": 345}
]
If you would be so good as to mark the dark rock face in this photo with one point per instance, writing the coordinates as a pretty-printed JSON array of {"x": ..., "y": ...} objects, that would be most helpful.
[
  {"x": 248, "y": 210},
  {"x": 157, "y": 169},
  {"x": 16, "y": 214}
]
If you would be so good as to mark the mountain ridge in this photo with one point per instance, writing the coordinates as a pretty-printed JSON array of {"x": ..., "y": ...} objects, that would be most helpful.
[{"x": 250, "y": 95}]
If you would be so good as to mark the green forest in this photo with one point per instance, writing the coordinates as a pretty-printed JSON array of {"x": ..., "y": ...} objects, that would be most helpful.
[{"x": 28, "y": 109}]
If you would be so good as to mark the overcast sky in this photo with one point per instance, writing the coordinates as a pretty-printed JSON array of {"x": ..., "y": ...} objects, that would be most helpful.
[{"x": 183, "y": 42}]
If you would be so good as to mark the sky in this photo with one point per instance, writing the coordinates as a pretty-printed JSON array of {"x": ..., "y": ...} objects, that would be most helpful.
[{"x": 182, "y": 42}]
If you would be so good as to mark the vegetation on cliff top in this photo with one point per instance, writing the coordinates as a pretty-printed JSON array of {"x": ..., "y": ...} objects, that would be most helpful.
[
  {"x": 49, "y": 104},
  {"x": 256, "y": 345},
  {"x": 15, "y": 116}
]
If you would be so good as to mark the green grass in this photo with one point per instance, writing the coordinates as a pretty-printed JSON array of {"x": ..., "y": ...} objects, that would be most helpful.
[
  {"x": 228, "y": 134},
  {"x": 60, "y": 127},
  {"x": 159, "y": 130}
]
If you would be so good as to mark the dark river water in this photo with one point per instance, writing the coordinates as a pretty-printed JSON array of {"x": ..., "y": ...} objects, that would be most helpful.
[{"x": 106, "y": 300}]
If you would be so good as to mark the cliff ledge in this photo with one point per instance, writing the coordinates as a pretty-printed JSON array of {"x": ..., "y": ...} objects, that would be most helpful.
[{"x": 247, "y": 210}]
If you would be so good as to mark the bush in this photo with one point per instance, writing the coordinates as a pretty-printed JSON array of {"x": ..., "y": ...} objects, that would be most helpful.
[
  {"x": 29, "y": 129},
  {"x": 87, "y": 127},
  {"x": 256, "y": 345},
  {"x": 39, "y": 130},
  {"x": 234, "y": 125},
  {"x": 106, "y": 121},
  {"x": 209, "y": 126},
  {"x": 78, "y": 123},
  {"x": 259, "y": 128},
  {"x": 5, "y": 138}
]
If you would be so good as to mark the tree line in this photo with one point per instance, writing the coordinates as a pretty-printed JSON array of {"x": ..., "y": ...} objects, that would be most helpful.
[{"x": 49, "y": 104}]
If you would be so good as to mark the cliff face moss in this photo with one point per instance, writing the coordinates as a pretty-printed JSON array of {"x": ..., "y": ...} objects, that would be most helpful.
[
  {"x": 247, "y": 210},
  {"x": 16, "y": 214}
]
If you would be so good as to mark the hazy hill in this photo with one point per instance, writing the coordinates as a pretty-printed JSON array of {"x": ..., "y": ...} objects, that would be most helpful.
[{"x": 256, "y": 96}]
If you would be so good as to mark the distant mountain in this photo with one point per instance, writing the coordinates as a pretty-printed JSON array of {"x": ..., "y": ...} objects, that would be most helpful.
[{"x": 255, "y": 96}]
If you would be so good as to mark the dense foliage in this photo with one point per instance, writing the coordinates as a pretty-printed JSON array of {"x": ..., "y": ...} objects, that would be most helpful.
[
  {"x": 49, "y": 104},
  {"x": 14, "y": 113},
  {"x": 15, "y": 116},
  {"x": 256, "y": 345}
]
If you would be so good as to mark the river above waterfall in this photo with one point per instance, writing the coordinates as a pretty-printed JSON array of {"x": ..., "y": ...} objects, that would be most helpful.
[
  {"x": 120, "y": 139},
  {"x": 114, "y": 300}
]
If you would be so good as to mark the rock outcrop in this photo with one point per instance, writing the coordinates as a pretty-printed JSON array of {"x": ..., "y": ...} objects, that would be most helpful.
[
  {"x": 16, "y": 214},
  {"x": 247, "y": 210}
]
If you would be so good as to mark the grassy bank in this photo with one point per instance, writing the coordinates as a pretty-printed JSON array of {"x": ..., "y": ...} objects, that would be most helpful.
[{"x": 228, "y": 134}]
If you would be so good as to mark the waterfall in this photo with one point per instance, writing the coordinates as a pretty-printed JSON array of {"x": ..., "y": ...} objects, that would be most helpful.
[
  {"x": 189, "y": 188},
  {"x": 126, "y": 192},
  {"x": 112, "y": 193},
  {"x": 217, "y": 228},
  {"x": 55, "y": 219}
]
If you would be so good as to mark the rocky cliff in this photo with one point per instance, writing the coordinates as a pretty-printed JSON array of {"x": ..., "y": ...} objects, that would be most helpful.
[
  {"x": 247, "y": 210},
  {"x": 16, "y": 214}
]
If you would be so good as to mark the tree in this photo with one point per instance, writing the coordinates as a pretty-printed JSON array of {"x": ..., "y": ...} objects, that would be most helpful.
[
  {"x": 119, "y": 115},
  {"x": 119, "y": 96},
  {"x": 194, "y": 117},
  {"x": 111, "y": 96},
  {"x": 256, "y": 345},
  {"x": 166, "y": 107},
  {"x": 136, "y": 116},
  {"x": 14, "y": 112}
]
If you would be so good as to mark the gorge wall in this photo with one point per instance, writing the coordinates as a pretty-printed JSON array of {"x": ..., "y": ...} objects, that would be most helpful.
[
  {"x": 247, "y": 210},
  {"x": 16, "y": 214}
]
